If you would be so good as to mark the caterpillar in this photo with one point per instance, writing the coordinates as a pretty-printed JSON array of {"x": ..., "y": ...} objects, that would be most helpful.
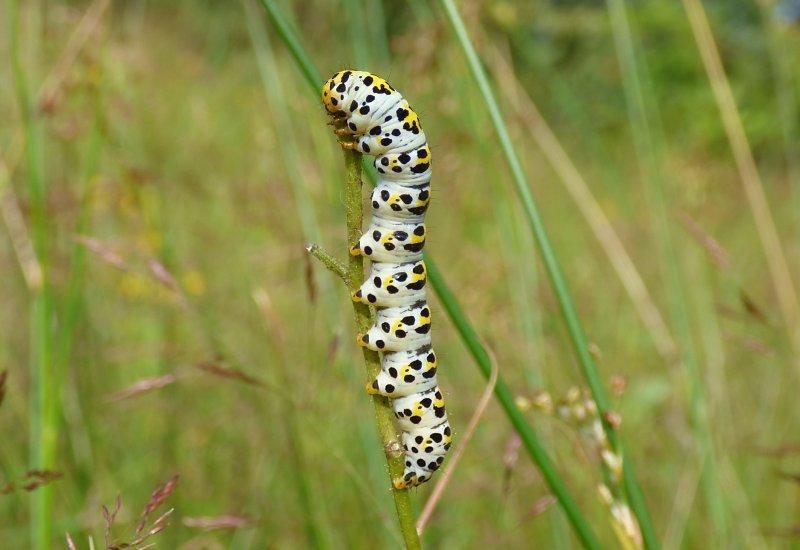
[{"x": 378, "y": 121}]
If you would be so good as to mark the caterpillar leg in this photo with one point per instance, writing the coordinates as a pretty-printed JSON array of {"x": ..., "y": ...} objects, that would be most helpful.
[
  {"x": 349, "y": 145},
  {"x": 401, "y": 483}
]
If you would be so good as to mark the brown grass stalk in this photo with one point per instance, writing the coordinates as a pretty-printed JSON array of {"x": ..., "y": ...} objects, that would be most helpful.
[
  {"x": 18, "y": 232},
  {"x": 143, "y": 386},
  {"x": 444, "y": 478},
  {"x": 578, "y": 189},
  {"x": 748, "y": 171},
  {"x": 50, "y": 89}
]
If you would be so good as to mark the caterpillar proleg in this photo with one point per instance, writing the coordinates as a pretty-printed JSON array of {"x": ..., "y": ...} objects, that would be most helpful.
[{"x": 381, "y": 123}]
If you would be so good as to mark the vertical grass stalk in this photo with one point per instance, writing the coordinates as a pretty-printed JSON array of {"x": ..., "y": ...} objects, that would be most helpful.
[
  {"x": 44, "y": 411},
  {"x": 589, "y": 207},
  {"x": 649, "y": 145},
  {"x": 551, "y": 265},
  {"x": 748, "y": 173},
  {"x": 72, "y": 307},
  {"x": 364, "y": 320}
]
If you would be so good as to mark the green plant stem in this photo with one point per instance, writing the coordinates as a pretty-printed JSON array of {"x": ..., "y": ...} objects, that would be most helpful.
[
  {"x": 73, "y": 307},
  {"x": 334, "y": 266},
  {"x": 44, "y": 408},
  {"x": 364, "y": 320},
  {"x": 532, "y": 443},
  {"x": 649, "y": 142},
  {"x": 749, "y": 175},
  {"x": 289, "y": 38},
  {"x": 551, "y": 265}
]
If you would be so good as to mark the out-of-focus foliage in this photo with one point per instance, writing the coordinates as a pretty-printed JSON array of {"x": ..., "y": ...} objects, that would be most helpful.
[{"x": 214, "y": 168}]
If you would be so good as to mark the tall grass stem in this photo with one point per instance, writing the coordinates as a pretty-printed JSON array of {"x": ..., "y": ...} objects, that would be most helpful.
[
  {"x": 364, "y": 319},
  {"x": 748, "y": 172},
  {"x": 557, "y": 280},
  {"x": 649, "y": 144},
  {"x": 589, "y": 207},
  {"x": 43, "y": 402}
]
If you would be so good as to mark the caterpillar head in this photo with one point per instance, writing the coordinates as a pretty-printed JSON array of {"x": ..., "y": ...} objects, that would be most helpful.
[
  {"x": 334, "y": 92},
  {"x": 339, "y": 91}
]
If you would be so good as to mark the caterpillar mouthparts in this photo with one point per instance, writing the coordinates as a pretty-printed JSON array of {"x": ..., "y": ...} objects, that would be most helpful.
[{"x": 381, "y": 123}]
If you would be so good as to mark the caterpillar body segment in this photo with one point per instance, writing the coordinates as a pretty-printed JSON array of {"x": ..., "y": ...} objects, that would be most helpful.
[
  {"x": 381, "y": 123},
  {"x": 405, "y": 372},
  {"x": 391, "y": 201},
  {"x": 391, "y": 241},
  {"x": 399, "y": 328},
  {"x": 393, "y": 284}
]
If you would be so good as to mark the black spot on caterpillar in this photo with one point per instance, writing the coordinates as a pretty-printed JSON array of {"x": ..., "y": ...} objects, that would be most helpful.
[{"x": 383, "y": 124}]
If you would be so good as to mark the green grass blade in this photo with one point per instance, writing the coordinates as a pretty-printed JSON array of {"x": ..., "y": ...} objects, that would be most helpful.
[
  {"x": 557, "y": 280},
  {"x": 289, "y": 38},
  {"x": 313, "y": 520},
  {"x": 44, "y": 394},
  {"x": 469, "y": 336},
  {"x": 649, "y": 143},
  {"x": 72, "y": 312}
]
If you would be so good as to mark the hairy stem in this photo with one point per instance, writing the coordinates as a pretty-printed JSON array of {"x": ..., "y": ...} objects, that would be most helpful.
[
  {"x": 364, "y": 319},
  {"x": 333, "y": 265}
]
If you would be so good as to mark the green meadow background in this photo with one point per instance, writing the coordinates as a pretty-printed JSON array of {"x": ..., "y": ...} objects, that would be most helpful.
[{"x": 175, "y": 166}]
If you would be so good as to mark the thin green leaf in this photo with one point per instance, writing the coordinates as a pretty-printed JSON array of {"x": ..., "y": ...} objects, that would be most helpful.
[{"x": 552, "y": 267}]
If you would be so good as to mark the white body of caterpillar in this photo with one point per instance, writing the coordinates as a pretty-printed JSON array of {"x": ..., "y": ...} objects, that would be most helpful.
[{"x": 383, "y": 124}]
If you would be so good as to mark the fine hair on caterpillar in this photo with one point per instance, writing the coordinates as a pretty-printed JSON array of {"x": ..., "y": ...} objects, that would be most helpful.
[{"x": 376, "y": 120}]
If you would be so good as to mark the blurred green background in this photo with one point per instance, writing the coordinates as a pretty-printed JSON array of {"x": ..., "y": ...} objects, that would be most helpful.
[{"x": 184, "y": 166}]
